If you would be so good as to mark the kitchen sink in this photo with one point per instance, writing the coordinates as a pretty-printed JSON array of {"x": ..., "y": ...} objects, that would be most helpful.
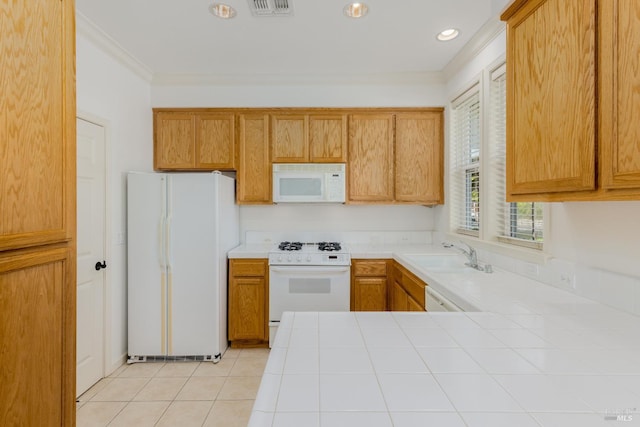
[{"x": 440, "y": 263}]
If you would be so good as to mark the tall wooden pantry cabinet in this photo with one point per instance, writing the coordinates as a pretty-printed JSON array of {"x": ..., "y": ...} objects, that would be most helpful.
[{"x": 37, "y": 213}]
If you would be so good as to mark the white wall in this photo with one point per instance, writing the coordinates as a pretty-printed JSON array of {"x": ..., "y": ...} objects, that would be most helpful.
[
  {"x": 594, "y": 245},
  {"x": 309, "y": 218},
  {"x": 115, "y": 96},
  {"x": 604, "y": 235},
  {"x": 318, "y": 95}
]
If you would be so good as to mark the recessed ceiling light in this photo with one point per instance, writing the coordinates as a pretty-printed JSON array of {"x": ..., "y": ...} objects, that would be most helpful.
[
  {"x": 222, "y": 10},
  {"x": 356, "y": 10},
  {"x": 448, "y": 34}
]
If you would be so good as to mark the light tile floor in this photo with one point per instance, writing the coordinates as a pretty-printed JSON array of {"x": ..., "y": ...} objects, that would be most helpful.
[{"x": 181, "y": 394}]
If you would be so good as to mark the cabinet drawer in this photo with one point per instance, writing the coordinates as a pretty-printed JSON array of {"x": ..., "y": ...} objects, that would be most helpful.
[
  {"x": 248, "y": 268},
  {"x": 370, "y": 268}
]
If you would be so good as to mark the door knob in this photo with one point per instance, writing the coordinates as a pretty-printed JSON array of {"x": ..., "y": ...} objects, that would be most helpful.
[{"x": 100, "y": 265}]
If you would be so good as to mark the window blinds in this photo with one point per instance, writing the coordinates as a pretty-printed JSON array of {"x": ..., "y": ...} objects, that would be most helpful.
[
  {"x": 522, "y": 222},
  {"x": 465, "y": 162}
]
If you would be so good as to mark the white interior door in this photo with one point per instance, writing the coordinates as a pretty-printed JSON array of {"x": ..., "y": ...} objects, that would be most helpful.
[{"x": 91, "y": 250}]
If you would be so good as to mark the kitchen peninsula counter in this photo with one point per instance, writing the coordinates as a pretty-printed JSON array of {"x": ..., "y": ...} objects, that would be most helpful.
[
  {"x": 524, "y": 354},
  {"x": 451, "y": 369}
]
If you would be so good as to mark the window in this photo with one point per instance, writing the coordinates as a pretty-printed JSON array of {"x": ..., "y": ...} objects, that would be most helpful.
[
  {"x": 477, "y": 184},
  {"x": 465, "y": 167},
  {"x": 521, "y": 222}
]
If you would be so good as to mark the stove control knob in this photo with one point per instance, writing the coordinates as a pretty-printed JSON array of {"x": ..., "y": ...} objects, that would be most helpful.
[
  {"x": 299, "y": 259},
  {"x": 280, "y": 258},
  {"x": 308, "y": 258},
  {"x": 289, "y": 258}
]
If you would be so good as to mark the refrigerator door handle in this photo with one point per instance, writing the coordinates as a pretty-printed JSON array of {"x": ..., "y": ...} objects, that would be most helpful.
[
  {"x": 169, "y": 318},
  {"x": 167, "y": 243},
  {"x": 163, "y": 313},
  {"x": 161, "y": 242}
]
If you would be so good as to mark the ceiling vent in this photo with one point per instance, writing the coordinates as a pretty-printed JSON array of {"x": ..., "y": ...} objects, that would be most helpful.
[{"x": 271, "y": 7}]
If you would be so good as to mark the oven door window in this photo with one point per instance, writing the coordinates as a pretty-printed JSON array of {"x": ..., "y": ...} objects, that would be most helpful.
[{"x": 310, "y": 286}]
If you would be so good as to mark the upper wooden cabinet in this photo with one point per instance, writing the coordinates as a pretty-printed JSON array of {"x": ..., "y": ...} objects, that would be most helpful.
[
  {"x": 215, "y": 141},
  {"x": 419, "y": 158},
  {"x": 254, "y": 168},
  {"x": 392, "y": 155},
  {"x": 328, "y": 138},
  {"x": 37, "y": 124},
  {"x": 302, "y": 138},
  {"x": 619, "y": 102},
  {"x": 175, "y": 141},
  {"x": 396, "y": 157},
  {"x": 370, "y": 169},
  {"x": 290, "y": 138},
  {"x": 37, "y": 214},
  {"x": 194, "y": 141},
  {"x": 573, "y": 93}
]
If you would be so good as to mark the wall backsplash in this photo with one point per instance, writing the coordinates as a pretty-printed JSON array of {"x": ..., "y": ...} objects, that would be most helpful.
[{"x": 329, "y": 217}]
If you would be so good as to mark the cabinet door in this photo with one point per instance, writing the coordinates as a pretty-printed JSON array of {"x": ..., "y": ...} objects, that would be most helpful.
[
  {"x": 254, "y": 169},
  {"x": 289, "y": 142},
  {"x": 37, "y": 310},
  {"x": 399, "y": 298},
  {"x": 37, "y": 124},
  {"x": 247, "y": 315},
  {"x": 419, "y": 158},
  {"x": 369, "y": 294},
  {"x": 174, "y": 141},
  {"x": 328, "y": 138},
  {"x": 215, "y": 137},
  {"x": 371, "y": 158},
  {"x": 551, "y": 104},
  {"x": 413, "y": 305},
  {"x": 619, "y": 22}
]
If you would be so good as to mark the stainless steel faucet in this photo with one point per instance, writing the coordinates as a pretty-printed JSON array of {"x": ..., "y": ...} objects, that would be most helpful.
[{"x": 471, "y": 255}]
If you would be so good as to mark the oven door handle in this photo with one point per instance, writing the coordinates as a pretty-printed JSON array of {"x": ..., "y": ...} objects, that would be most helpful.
[{"x": 310, "y": 270}]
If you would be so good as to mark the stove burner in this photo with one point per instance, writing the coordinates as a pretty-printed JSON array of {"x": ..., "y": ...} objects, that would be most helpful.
[
  {"x": 290, "y": 246},
  {"x": 329, "y": 246}
]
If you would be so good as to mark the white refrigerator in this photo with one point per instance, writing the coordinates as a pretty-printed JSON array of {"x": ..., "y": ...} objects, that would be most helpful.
[{"x": 180, "y": 227}]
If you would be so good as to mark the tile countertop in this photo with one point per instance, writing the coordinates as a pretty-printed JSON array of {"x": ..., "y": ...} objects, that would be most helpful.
[{"x": 531, "y": 355}]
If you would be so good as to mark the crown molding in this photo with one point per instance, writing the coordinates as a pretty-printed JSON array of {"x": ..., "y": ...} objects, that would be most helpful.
[
  {"x": 487, "y": 33},
  {"x": 392, "y": 79},
  {"x": 88, "y": 29}
]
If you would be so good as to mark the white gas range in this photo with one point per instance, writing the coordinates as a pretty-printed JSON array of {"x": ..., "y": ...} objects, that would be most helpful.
[{"x": 307, "y": 277}]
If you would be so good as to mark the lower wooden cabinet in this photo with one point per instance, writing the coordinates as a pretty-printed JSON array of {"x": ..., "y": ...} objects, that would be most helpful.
[
  {"x": 402, "y": 301},
  {"x": 369, "y": 284},
  {"x": 383, "y": 284},
  {"x": 407, "y": 291},
  {"x": 37, "y": 338},
  {"x": 248, "y": 302}
]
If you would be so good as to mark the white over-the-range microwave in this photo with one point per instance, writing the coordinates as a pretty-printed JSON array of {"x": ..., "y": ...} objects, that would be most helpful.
[{"x": 309, "y": 183}]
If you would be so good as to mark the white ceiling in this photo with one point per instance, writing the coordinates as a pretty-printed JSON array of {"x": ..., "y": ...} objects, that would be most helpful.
[{"x": 182, "y": 37}]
